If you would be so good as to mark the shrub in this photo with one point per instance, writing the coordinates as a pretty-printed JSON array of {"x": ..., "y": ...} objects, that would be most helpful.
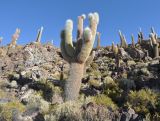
[
  {"x": 36, "y": 101},
  {"x": 127, "y": 84},
  {"x": 94, "y": 83},
  {"x": 7, "y": 109},
  {"x": 68, "y": 111},
  {"x": 78, "y": 111},
  {"x": 104, "y": 100},
  {"x": 143, "y": 101}
]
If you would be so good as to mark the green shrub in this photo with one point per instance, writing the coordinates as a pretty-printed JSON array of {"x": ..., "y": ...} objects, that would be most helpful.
[
  {"x": 94, "y": 83},
  {"x": 105, "y": 100},
  {"x": 143, "y": 101},
  {"x": 68, "y": 111},
  {"x": 127, "y": 84},
  {"x": 7, "y": 109}
]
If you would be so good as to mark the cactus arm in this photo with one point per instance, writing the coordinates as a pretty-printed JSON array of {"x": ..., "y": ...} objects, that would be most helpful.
[
  {"x": 86, "y": 47},
  {"x": 94, "y": 20},
  {"x": 80, "y": 33},
  {"x": 68, "y": 38},
  {"x": 89, "y": 38},
  {"x": 63, "y": 51},
  {"x": 80, "y": 26},
  {"x": 90, "y": 59}
]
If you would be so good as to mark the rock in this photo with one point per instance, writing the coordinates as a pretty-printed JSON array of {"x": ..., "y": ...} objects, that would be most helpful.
[
  {"x": 124, "y": 54},
  {"x": 16, "y": 76},
  {"x": 131, "y": 62},
  {"x": 145, "y": 71},
  {"x": 4, "y": 100},
  {"x": 57, "y": 99},
  {"x": 136, "y": 53},
  {"x": 24, "y": 96},
  {"x": 13, "y": 84}
]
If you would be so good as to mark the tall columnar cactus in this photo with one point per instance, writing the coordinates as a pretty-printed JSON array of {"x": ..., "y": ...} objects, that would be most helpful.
[
  {"x": 133, "y": 43},
  {"x": 123, "y": 40},
  {"x": 1, "y": 38},
  {"x": 139, "y": 38},
  {"x": 98, "y": 40},
  {"x": 115, "y": 50},
  {"x": 15, "y": 37},
  {"x": 78, "y": 54},
  {"x": 39, "y": 35},
  {"x": 154, "y": 33},
  {"x": 155, "y": 45}
]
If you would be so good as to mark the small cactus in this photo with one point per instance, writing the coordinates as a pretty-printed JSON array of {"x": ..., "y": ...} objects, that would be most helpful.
[
  {"x": 39, "y": 35},
  {"x": 15, "y": 37},
  {"x": 115, "y": 50},
  {"x": 78, "y": 54},
  {"x": 98, "y": 40},
  {"x": 155, "y": 45},
  {"x": 123, "y": 40}
]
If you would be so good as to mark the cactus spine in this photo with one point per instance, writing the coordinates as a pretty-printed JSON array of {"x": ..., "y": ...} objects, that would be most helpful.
[
  {"x": 98, "y": 40},
  {"x": 39, "y": 35},
  {"x": 78, "y": 55},
  {"x": 155, "y": 45},
  {"x": 123, "y": 40},
  {"x": 15, "y": 37}
]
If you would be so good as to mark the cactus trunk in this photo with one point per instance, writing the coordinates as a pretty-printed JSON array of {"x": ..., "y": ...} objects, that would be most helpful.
[
  {"x": 73, "y": 83},
  {"x": 156, "y": 50}
]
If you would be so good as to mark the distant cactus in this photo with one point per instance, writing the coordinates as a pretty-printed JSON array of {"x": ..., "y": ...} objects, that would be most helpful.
[
  {"x": 98, "y": 40},
  {"x": 155, "y": 45},
  {"x": 78, "y": 55},
  {"x": 123, "y": 40},
  {"x": 154, "y": 33},
  {"x": 133, "y": 42},
  {"x": 38, "y": 40},
  {"x": 115, "y": 50},
  {"x": 15, "y": 37},
  {"x": 1, "y": 38},
  {"x": 140, "y": 36}
]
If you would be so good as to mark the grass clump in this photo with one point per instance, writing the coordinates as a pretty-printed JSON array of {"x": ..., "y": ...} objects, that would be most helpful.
[
  {"x": 7, "y": 109},
  {"x": 143, "y": 101},
  {"x": 105, "y": 100}
]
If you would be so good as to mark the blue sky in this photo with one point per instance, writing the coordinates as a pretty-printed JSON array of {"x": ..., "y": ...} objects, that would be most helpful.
[{"x": 30, "y": 15}]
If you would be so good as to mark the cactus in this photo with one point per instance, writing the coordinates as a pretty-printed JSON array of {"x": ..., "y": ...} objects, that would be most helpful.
[
  {"x": 155, "y": 45},
  {"x": 154, "y": 33},
  {"x": 1, "y": 38},
  {"x": 98, "y": 40},
  {"x": 133, "y": 43},
  {"x": 123, "y": 40},
  {"x": 78, "y": 55},
  {"x": 39, "y": 35},
  {"x": 15, "y": 37},
  {"x": 115, "y": 50},
  {"x": 140, "y": 36}
]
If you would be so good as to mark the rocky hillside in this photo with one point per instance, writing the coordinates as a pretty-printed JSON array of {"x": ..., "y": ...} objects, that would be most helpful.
[{"x": 116, "y": 86}]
